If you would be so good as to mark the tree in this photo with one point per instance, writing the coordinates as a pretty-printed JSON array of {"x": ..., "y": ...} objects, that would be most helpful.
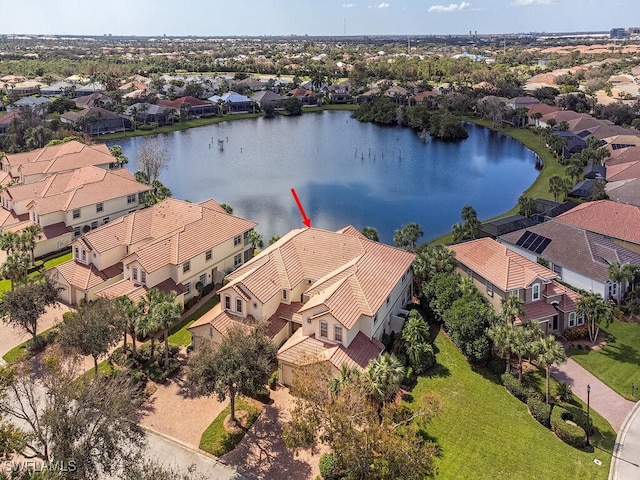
[
  {"x": 81, "y": 423},
  {"x": 240, "y": 364},
  {"x": 384, "y": 375},
  {"x": 152, "y": 160},
  {"x": 371, "y": 233},
  {"x": 120, "y": 158},
  {"x": 512, "y": 307},
  {"x": 255, "y": 239},
  {"x": 467, "y": 322},
  {"x": 227, "y": 208},
  {"x": 293, "y": 105},
  {"x": 621, "y": 273},
  {"x": 93, "y": 329},
  {"x": 163, "y": 312},
  {"x": 526, "y": 206},
  {"x": 595, "y": 310},
  {"x": 574, "y": 168},
  {"x": 550, "y": 352},
  {"x": 559, "y": 186},
  {"x": 501, "y": 335},
  {"x": 274, "y": 239},
  {"x": 132, "y": 318},
  {"x": 23, "y": 306},
  {"x": 367, "y": 442},
  {"x": 407, "y": 236},
  {"x": 415, "y": 336}
]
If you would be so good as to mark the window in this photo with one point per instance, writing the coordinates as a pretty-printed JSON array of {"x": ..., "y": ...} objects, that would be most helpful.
[
  {"x": 140, "y": 197},
  {"x": 238, "y": 305},
  {"x": 203, "y": 279},
  {"x": 99, "y": 207},
  {"x": 247, "y": 255},
  {"x": 207, "y": 255},
  {"x": 535, "y": 292},
  {"x": 134, "y": 274},
  {"x": 246, "y": 238},
  {"x": 237, "y": 260},
  {"x": 237, "y": 240},
  {"x": 581, "y": 320},
  {"x": 469, "y": 273},
  {"x": 143, "y": 277},
  {"x": 186, "y": 266},
  {"x": 557, "y": 269},
  {"x": 76, "y": 231},
  {"x": 227, "y": 302},
  {"x": 131, "y": 198},
  {"x": 572, "y": 319},
  {"x": 323, "y": 329},
  {"x": 515, "y": 293},
  {"x": 94, "y": 224},
  {"x": 76, "y": 213},
  {"x": 337, "y": 333},
  {"x": 77, "y": 252},
  {"x": 105, "y": 220},
  {"x": 284, "y": 294},
  {"x": 84, "y": 255},
  {"x": 490, "y": 289},
  {"x": 187, "y": 288}
]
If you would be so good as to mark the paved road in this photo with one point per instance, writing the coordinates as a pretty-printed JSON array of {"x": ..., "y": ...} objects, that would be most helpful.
[
  {"x": 625, "y": 464},
  {"x": 603, "y": 399}
]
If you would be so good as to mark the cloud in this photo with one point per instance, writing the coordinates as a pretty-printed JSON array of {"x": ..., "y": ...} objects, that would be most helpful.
[
  {"x": 452, "y": 7},
  {"x": 383, "y": 5},
  {"x": 349, "y": 5},
  {"x": 523, "y": 3}
]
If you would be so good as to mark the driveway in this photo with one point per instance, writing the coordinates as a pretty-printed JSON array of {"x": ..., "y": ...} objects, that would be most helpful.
[
  {"x": 602, "y": 399},
  {"x": 625, "y": 463},
  {"x": 12, "y": 337},
  {"x": 262, "y": 452},
  {"x": 174, "y": 410}
]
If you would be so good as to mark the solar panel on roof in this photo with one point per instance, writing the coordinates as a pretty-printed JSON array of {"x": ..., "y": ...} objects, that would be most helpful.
[
  {"x": 543, "y": 245},
  {"x": 525, "y": 236},
  {"x": 533, "y": 242}
]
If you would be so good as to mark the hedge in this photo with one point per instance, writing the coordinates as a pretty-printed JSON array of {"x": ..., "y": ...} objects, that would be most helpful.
[
  {"x": 539, "y": 410},
  {"x": 576, "y": 333},
  {"x": 569, "y": 433},
  {"x": 517, "y": 389}
]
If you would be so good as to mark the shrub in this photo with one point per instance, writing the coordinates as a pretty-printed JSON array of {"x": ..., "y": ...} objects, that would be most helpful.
[
  {"x": 539, "y": 410},
  {"x": 273, "y": 380},
  {"x": 496, "y": 365},
  {"x": 576, "y": 333},
  {"x": 563, "y": 392},
  {"x": 37, "y": 344},
  {"x": 570, "y": 433},
  {"x": 512, "y": 384},
  {"x": 328, "y": 466}
]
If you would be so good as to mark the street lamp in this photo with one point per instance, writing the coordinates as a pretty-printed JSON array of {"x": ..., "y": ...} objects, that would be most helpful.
[{"x": 588, "y": 414}]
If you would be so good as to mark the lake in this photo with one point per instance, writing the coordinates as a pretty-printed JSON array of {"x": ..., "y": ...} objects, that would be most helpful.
[{"x": 344, "y": 172}]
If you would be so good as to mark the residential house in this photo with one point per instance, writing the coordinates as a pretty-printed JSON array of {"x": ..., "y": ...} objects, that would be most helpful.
[
  {"x": 149, "y": 113},
  {"x": 329, "y": 296},
  {"x": 26, "y": 88},
  {"x": 307, "y": 97},
  {"x": 232, "y": 102},
  {"x": 8, "y": 119},
  {"x": 89, "y": 88},
  {"x": 624, "y": 191},
  {"x": 96, "y": 99},
  {"x": 499, "y": 273},
  {"x": 75, "y": 201},
  {"x": 574, "y": 143},
  {"x": 583, "y": 190},
  {"x": 268, "y": 97},
  {"x": 521, "y": 102},
  {"x": 57, "y": 89},
  {"x": 191, "y": 107},
  {"x": 96, "y": 121},
  {"x": 38, "y": 105},
  {"x": 30, "y": 166},
  {"x": 609, "y": 219},
  {"x": 173, "y": 246}
]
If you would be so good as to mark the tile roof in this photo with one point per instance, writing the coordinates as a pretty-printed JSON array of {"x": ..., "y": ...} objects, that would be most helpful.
[
  {"x": 223, "y": 321},
  {"x": 613, "y": 219},
  {"x": 83, "y": 276},
  {"x": 502, "y": 267},
  {"x": 179, "y": 102},
  {"x": 100, "y": 152},
  {"x": 622, "y": 155},
  {"x": 300, "y": 350},
  {"x": 78, "y": 188},
  {"x": 349, "y": 275},
  {"x": 576, "y": 249},
  {"x": 624, "y": 191},
  {"x": 623, "y": 171}
]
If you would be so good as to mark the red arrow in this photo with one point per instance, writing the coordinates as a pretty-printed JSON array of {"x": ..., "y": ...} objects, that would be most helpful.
[{"x": 306, "y": 220}]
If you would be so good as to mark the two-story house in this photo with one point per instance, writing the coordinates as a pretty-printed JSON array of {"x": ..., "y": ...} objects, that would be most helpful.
[
  {"x": 329, "y": 296},
  {"x": 173, "y": 246},
  {"x": 30, "y": 166},
  {"x": 67, "y": 204},
  {"x": 579, "y": 257},
  {"x": 499, "y": 272}
]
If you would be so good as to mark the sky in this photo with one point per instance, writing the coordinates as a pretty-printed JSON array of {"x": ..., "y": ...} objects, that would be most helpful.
[{"x": 312, "y": 17}]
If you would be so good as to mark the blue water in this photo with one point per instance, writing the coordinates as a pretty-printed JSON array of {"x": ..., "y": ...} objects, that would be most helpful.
[{"x": 345, "y": 172}]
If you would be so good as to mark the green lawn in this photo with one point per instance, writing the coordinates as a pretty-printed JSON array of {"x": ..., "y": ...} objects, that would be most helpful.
[
  {"x": 21, "y": 352},
  {"x": 485, "y": 433},
  {"x": 179, "y": 334},
  {"x": 618, "y": 363},
  {"x": 52, "y": 262},
  {"x": 540, "y": 187},
  {"x": 216, "y": 440}
]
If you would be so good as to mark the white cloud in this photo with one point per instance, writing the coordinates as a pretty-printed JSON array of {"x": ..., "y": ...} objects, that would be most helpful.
[
  {"x": 349, "y": 5},
  {"x": 383, "y": 5},
  {"x": 452, "y": 7},
  {"x": 522, "y": 3}
]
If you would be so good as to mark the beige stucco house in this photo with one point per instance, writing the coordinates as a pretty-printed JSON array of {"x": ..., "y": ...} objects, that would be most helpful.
[
  {"x": 325, "y": 296},
  {"x": 171, "y": 246},
  {"x": 499, "y": 272}
]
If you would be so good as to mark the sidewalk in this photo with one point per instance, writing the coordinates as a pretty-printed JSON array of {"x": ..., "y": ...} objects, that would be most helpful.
[
  {"x": 626, "y": 453},
  {"x": 602, "y": 399}
]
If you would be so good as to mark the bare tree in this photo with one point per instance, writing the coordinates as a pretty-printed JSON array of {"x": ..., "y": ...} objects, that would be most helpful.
[{"x": 152, "y": 159}]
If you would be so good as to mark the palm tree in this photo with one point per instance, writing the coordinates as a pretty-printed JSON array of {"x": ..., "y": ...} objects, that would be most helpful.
[
  {"x": 550, "y": 352},
  {"x": 415, "y": 334},
  {"x": 620, "y": 273},
  {"x": 163, "y": 312},
  {"x": 371, "y": 233},
  {"x": 574, "y": 169},
  {"x": 29, "y": 237},
  {"x": 512, "y": 307},
  {"x": 520, "y": 346},
  {"x": 255, "y": 239},
  {"x": 346, "y": 375},
  {"x": 15, "y": 267},
  {"x": 408, "y": 235},
  {"x": 384, "y": 376},
  {"x": 559, "y": 186},
  {"x": 501, "y": 336},
  {"x": 526, "y": 206},
  {"x": 595, "y": 310},
  {"x": 132, "y": 320}
]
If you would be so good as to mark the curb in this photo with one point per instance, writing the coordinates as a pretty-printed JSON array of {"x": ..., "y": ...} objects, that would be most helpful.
[
  {"x": 620, "y": 440},
  {"x": 238, "y": 470}
]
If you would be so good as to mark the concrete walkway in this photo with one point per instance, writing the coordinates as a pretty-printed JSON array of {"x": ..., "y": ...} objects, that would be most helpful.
[
  {"x": 625, "y": 461},
  {"x": 603, "y": 399}
]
